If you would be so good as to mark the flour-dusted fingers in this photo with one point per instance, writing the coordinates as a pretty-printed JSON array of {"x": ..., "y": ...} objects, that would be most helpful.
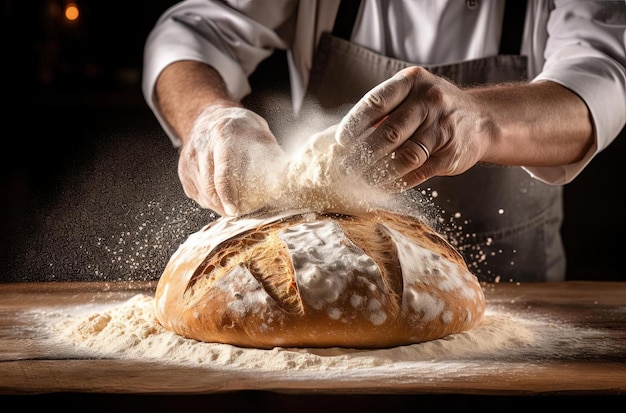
[
  {"x": 372, "y": 107},
  {"x": 431, "y": 127},
  {"x": 230, "y": 160},
  {"x": 411, "y": 155}
]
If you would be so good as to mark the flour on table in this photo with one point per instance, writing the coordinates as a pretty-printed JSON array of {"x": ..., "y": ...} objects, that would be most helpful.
[{"x": 129, "y": 330}]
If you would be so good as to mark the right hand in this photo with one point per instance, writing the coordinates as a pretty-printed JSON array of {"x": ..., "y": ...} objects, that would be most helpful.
[
  {"x": 226, "y": 161},
  {"x": 415, "y": 126}
]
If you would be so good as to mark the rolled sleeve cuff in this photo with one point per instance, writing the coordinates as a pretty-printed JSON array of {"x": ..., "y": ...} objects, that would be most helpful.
[
  {"x": 603, "y": 88},
  {"x": 172, "y": 42}
]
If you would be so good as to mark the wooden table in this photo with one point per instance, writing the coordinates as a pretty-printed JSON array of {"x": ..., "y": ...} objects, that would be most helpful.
[{"x": 589, "y": 365}]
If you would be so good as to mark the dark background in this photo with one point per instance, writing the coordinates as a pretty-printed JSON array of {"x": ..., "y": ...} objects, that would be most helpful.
[
  {"x": 90, "y": 190},
  {"x": 89, "y": 183}
]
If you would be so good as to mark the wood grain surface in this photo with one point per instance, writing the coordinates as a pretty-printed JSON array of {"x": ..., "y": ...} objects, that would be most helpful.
[{"x": 591, "y": 365}]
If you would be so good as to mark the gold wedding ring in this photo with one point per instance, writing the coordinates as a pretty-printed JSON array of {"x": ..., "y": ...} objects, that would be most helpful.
[{"x": 424, "y": 148}]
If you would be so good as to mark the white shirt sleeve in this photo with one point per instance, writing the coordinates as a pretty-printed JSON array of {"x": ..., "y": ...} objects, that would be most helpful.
[
  {"x": 586, "y": 52},
  {"x": 233, "y": 41}
]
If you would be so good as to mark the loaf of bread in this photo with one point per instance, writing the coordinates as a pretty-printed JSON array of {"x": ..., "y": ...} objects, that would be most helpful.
[{"x": 301, "y": 279}]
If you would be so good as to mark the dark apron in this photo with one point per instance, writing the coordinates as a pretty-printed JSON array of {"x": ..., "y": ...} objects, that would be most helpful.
[{"x": 505, "y": 223}]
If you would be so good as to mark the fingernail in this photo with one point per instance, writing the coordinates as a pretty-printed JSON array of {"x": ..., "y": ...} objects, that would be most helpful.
[
  {"x": 231, "y": 209},
  {"x": 340, "y": 137}
]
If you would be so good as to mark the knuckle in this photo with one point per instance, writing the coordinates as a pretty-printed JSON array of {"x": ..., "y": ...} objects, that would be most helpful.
[
  {"x": 407, "y": 158},
  {"x": 447, "y": 126},
  {"x": 229, "y": 127},
  {"x": 434, "y": 94},
  {"x": 413, "y": 73},
  {"x": 392, "y": 134},
  {"x": 412, "y": 155},
  {"x": 375, "y": 102}
]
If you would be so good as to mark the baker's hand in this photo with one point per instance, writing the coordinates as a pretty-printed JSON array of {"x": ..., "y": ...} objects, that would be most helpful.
[
  {"x": 429, "y": 128},
  {"x": 227, "y": 161}
]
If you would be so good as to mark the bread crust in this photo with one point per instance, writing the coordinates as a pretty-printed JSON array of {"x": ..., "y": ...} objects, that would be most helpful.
[{"x": 303, "y": 279}]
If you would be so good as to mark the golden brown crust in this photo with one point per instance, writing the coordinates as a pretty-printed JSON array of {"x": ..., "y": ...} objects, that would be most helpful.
[{"x": 246, "y": 283}]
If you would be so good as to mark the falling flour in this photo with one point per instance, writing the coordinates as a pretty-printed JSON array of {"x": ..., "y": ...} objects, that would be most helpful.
[
  {"x": 312, "y": 174},
  {"x": 129, "y": 330}
]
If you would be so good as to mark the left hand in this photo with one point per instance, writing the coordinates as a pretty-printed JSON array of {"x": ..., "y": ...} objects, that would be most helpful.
[
  {"x": 230, "y": 161},
  {"x": 417, "y": 108}
]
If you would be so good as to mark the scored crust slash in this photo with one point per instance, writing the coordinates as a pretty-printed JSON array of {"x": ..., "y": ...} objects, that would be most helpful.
[{"x": 302, "y": 279}]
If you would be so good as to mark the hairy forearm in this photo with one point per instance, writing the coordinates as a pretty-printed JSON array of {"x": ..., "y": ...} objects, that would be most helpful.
[
  {"x": 185, "y": 88},
  {"x": 539, "y": 124}
]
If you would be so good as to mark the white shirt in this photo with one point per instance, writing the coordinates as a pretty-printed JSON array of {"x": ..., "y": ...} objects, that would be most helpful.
[{"x": 580, "y": 44}]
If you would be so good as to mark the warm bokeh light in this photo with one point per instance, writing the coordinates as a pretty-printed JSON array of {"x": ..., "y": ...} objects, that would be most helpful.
[{"x": 71, "y": 11}]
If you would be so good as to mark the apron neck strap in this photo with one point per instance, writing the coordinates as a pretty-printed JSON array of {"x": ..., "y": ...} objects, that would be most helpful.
[
  {"x": 512, "y": 27},
  {"x": 346, "y": 16},
  {"x": 510, "y": 39}
]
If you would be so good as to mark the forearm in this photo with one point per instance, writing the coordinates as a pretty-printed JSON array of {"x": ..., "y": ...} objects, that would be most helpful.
[
  {"x": 538, "y": 124},
  {"x": 184, "y": 89}
]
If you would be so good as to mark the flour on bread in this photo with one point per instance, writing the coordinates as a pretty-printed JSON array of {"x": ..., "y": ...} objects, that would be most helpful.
[
  {"x": 327, "y": 264},
  {"x": 318, "y": 279}
]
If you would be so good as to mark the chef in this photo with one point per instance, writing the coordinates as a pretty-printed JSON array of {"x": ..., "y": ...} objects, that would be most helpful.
[{"x": 487, "y": 106}]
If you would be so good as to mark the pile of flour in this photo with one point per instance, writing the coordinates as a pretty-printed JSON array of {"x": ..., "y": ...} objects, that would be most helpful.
[{"x": 129, "y": 330}]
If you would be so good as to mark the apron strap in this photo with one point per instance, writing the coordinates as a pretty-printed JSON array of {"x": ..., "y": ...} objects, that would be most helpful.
[
  {"x": 346, "y": 16},
  {"x": 512, "y": 27}
]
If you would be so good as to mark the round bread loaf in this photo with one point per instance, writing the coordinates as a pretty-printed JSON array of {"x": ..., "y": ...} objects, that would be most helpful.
[{"x": 303, "y": 279}]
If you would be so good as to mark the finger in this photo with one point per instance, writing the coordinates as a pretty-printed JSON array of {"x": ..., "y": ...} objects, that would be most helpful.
[
  {"x": 407, "y": 120},
  {"x": 373, "y": 106},
  {"x": 209, "y": 188},
  {"x": 417, "y": 176},
  {"x": 195, "y": 179},
  {"x": 186, "y": 177},
  {"x": 385, "y": 146},
  {"x": 226, "y": 179},
  {"x": 204, "y": 184},
  {"x": 409, "y": 156}
]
